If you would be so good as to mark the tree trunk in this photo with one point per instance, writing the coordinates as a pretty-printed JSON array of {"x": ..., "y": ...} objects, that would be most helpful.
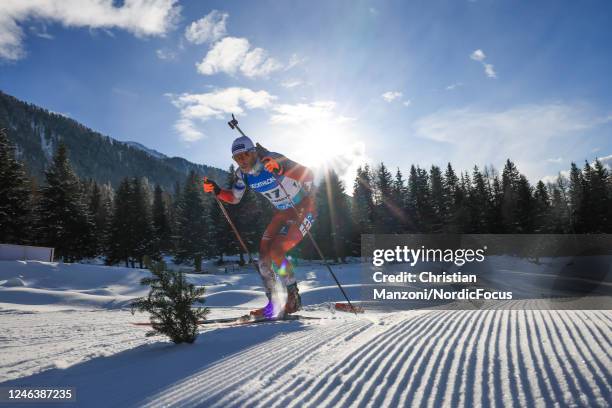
[{"x": 198, "y": 263}]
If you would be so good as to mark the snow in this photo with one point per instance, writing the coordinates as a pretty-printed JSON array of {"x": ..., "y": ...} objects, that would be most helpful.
[
  {"x": 150, "y": 152},
  {"x": 46, "y": 144},
  {"x": 68, "y": 325}
]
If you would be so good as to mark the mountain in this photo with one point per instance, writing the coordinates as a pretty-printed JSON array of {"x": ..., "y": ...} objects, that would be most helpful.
[
  {"x": 36, "y": 133},
  {"x": 145, "y": 149}
]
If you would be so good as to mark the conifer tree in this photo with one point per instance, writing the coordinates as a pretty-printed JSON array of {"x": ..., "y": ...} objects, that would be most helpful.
[
  {"x": 146, "y": 243},
  {"x": 478, "y": 203},
  {"x": 510, "y": 188},
  {"x": 121, "y": 240},
  {"x": 16, "y": 218},
  {"x": 170, "y": 302},
  {"x": 161, "y": 222},
  {"x": 576, "y": 195},
  {"x": 541, "y": 211},
  {"x": 362, "y": 209},
  {"x": 437, "y": 199},
  {"x": 387, "y": 215},
  {"x": 65, "y": 222},
  {"x": 332, "y": 227},
  {"x": 193, "y": 224}
]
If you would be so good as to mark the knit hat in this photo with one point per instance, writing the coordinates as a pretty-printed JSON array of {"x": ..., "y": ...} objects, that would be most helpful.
[{"x": 241, "y": 145}]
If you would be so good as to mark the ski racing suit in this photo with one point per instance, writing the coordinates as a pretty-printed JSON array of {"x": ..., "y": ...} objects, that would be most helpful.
[{"x": 288, "y": 226}]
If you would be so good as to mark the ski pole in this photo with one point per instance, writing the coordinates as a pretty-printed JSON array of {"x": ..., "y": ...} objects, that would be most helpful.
[
  {"x": 234, "y": 125},
  {"x": 229, "y": 221},
  {"x": 316, "y": 246}
]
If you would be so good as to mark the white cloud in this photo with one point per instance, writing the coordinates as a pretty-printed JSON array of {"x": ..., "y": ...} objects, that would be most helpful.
[
  {"x": 555, "y": 160},
  {"x": 207, "y": 29},
  {"x": 232, "y": 54},
  {"x": 41, "y": 32},
  {"x": 188, "y": 131},
  {"x": 165, "y": 54},
  {"x": 525, "y": 134},
  {"x": 478, "y": 55},
  {"x": 217, "y": 104},
  {"x": 140, "y": 17},
  {"x": 291, "y": 83},
  {"x": 226, "y": 56},
  {"x": 606, "y": 161},
  {"x": 294, "y": 61},
  {"x": 454, "y": 86},
  {"x": 490, "y": 71},
  {"x": 258, "y": 63},
  {"x": 390, "y": 96},
  {"x": 407, "y": 102},
  {"x": 306, "y": 112}
]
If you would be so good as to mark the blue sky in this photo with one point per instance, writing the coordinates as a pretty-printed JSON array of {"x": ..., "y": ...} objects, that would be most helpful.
[{"x": 334, "y": 83}]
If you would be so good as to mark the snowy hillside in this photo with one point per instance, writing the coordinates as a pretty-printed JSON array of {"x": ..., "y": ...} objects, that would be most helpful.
[{"x": 67, "y": 325}]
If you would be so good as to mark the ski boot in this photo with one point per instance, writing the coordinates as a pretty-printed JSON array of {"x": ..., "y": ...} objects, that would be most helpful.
[
  {"x": 294, "y": 301},
  {"x": 266, "y": 312}
]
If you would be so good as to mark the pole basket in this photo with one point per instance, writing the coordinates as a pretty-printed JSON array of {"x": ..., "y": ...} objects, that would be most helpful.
[{"x": 345, "y": 307}]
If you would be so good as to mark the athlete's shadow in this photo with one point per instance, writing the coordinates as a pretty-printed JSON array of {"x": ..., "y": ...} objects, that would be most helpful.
[{"x": 218, "y": 362}]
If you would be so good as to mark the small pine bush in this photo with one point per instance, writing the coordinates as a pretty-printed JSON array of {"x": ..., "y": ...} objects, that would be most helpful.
[{"x": 170, "y": 303}]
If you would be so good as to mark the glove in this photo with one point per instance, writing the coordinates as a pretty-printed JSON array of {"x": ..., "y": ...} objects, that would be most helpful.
[
  {"x": 272, "y": 165},
  {"x": 210, "y": 186}
]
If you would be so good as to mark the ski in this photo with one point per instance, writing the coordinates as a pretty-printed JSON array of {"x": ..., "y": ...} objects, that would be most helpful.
[
  {"x": 344, "y": 307},
  {"x": 242, "y": 320}
]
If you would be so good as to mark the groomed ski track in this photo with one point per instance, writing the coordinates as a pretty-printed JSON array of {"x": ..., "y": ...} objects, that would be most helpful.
[{"x": 420, "y": 358}]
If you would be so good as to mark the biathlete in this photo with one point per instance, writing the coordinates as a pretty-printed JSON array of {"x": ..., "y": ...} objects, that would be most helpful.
[{"x": 265, "y": 172}]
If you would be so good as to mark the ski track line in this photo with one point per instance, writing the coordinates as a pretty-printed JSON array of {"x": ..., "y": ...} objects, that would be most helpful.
[
  {"x": 363, "y": 387},
  {"x": 466, "y": 392},
  {"x": 411, "y": 361},
  {"x": 418, "y": 364},
  {"x": 544, "y": 370},
  {"x": 440, "y": 358},
  {"x": 481, "y": 385},
  {"x": 429, "y": 358},
  {"x": 356, "y": 379},
  {"x": 512, "y": 395},
  {"x": 596, "y": 332},
  {"x": 306, "y": 373},
  {"x": 458, "y": 381},
  {"x": 388, "y": 381},
  {"x": 377, "y": 389},
  {"x": 444, "y": 353},
  {"x": 217, "y": 377},
  {"x": 523, "y": 390},
  {"x": 339, "y": 384},
  {"x": 583, "y": 365},
  {"x": 569, "y": 380},
  {"x": 317, "y": 383},
  {"x": 244, "y": 370},
  {"x": 355, "y": 355},
  {"x": 580, "y": 324},
  {"x": 265, "y": 379},
  {"x": 530, "y": 362},
  {"x": 589, "y": 372}
]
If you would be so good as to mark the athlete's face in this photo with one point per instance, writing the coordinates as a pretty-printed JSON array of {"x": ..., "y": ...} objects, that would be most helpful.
[{"x": 246, "y": 160}]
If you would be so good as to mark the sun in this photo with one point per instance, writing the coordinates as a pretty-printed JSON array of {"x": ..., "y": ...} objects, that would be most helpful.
[{"x": 320, "y": 144}]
